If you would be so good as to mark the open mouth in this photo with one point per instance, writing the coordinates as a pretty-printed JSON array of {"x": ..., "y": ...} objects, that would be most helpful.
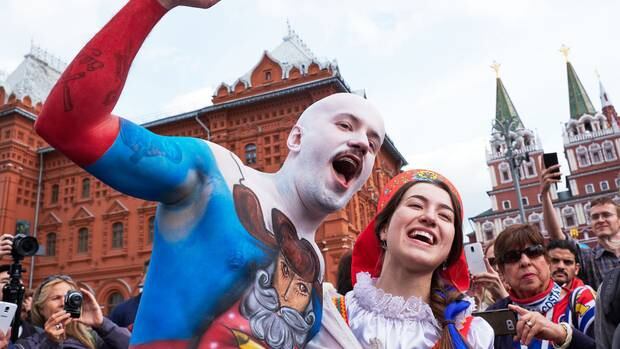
[
  {"x": 422, "y": 236},
  {"x": 347, "y": 167}
]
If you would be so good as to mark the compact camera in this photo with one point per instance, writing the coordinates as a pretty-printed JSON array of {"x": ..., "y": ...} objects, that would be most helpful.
[{"x": 73, "y": 303}]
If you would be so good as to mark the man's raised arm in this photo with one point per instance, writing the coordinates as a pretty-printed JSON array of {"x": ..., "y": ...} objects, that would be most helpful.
[{"x": 550, "y": 218}]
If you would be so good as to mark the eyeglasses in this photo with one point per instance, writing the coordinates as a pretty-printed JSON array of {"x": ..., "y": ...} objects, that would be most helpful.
[
  {"x": 513, "y": 256},
  {"x": 604, "y": 215}
]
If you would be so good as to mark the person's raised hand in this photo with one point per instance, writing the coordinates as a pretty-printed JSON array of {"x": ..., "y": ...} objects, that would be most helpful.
[
  {"x": 55, "y": 326},
  {"x": 549, "y": 176},
  {"x": 91, "y": 311},
  {"x": 5, "y": 338},
  {"x": 169, "y": 4},
  {"x": 491, "y": 281},
  {"x": 532, "y": 324},
  {"x": 6, "y": 245}
]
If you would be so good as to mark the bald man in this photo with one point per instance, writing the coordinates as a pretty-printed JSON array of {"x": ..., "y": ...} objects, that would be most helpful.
[{"x": 215, "y": 215}]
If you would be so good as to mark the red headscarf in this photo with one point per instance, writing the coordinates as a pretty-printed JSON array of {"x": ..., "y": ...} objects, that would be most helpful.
[{"x": 367, "y": 249}]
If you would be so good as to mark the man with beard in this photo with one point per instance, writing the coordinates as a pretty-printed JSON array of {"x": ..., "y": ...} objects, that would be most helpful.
[
  {"x": 563, "y": 264},
  {"x": 605, "y": 223},
  {"x": 198, "y": 231}
]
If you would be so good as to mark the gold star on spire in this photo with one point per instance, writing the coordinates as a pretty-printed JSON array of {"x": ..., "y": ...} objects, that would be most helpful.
[
  {"x": 495, "y": 66},
  {"x": 565, "y": 50}
]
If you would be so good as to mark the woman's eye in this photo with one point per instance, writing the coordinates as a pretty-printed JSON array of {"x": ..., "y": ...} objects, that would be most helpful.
[
  {"x": 303, "y": 289},
  {"x": 446, "y": 217}
]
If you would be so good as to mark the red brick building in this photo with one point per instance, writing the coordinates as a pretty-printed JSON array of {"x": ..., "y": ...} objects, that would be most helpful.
[
  {"x": 591, "y": 147},
  {"x": 102, "y": 237}
]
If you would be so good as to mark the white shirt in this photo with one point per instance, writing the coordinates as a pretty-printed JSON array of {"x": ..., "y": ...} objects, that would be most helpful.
[{"x": 378, "y": 320}]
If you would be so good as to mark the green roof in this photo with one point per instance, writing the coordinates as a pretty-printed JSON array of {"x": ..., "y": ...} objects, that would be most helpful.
[
  {"x": 504, "y": 109},
  {"x": 578, "y": 98}
]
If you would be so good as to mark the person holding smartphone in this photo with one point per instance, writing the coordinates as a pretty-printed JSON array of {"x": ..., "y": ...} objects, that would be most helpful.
[
  {"x": 547, "y": 313},
  {"x": 409, "y": 272}
]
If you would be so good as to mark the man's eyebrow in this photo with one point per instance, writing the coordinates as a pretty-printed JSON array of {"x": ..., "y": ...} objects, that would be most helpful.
[{"x": 423, "y": 198}]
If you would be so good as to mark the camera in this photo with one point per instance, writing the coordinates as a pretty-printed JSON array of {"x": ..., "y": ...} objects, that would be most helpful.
[
  {"x": 73, "y": 303},
  {"x": 23, "y": 246}
]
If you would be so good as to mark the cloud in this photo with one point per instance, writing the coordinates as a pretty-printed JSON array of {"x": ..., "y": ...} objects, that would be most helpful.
[{"x": 189, "y": 101}]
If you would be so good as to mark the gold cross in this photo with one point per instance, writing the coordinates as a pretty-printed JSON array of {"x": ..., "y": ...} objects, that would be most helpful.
[
  {"x": 495, "y": 66},
  {"x": 565, "y": 49}
]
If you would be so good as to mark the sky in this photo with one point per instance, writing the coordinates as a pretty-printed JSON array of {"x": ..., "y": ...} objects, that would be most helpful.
[{"x": 425, "y": 64}]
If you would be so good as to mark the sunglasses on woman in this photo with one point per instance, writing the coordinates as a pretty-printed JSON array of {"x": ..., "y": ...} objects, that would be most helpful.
[{"x": 513, "y": 256}]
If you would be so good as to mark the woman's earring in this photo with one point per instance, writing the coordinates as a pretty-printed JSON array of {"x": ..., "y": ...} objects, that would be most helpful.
[
  {"x": 384, "y": 244},
  {"x": 444, "y": 265}
]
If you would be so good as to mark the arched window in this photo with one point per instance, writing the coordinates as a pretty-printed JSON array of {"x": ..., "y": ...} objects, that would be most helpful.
[
  {"x": 117, "y": 235},
  {"x": 508, "y": 222},
  {"x": 85, "y": 188},
  {"x": 250, "y": 154},
  {"x": 536, "y": 220},
  {"x": 82, "y": 240},
  {"x": 570, "y": 219},
  {"x": 487, "y": 230},
  {"x": 582, "y": 157},
  {"x": 608, "y": 150},
  {"x": 151, "y": 231},
  {"x": 586, "y": 211},
  {"x": 596, "y": 153},
  {"x": 54, "y": 196},
  {"x": 50, "y": 244},
  {"x": 113, "y": 300},
  {"x": 504, "y": 172}
]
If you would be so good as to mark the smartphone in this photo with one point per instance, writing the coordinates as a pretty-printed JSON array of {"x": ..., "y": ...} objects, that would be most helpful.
[
  {"x": 7, "y": 313},
  {"x": 550, "y": 159},
  {"x": 503, "y": 321},
  {"x": 475, "y": 258}
]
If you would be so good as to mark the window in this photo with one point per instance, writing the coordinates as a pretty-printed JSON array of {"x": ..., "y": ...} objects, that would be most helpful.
[
  {"x": 506, "y": 204},
  {"x": 487, "y": 229},
  {"x": 604, "y": 185},
  {"x": 82, "y": 240},
  {"x": 113, "y": 300},
  {"x": 525, "y": 201},
  {"x": 151, "y": 232},
  {"x": 586, "y": 209},
  {"x": 582, "y": 157},
  {"x": 117, "y": 235},
  {"x": 50, "y": 244},
  {"x": 54, "y": 196},
  {"x": 596, "y": 153},
  {"x": 508, "y": 222},
  {"x": 589, "y": 188},
  {"x": 539, "y": 198},
  {"x": 268, "y": 75},
  {"x": 570, "y": 219},
  {"x": 85, "y": 188},
  {"x": 250, "y": 154},
  {"x": 617, "y": 180},
  {"x": 608, "y": 150},
  {"x": 504, "y": 171},
  {"x": 530, "y": 169},
  {"x": 535, "y": 219}
]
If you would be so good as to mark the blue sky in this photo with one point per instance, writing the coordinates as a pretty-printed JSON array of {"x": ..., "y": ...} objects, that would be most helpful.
[{"x": 424, "y": 63}]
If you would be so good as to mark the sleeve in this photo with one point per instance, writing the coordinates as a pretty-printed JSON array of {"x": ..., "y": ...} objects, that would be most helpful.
[
  {"x": 481, "y": 334},
  {"x": 113, "y": 336},
  {"x": 603, "y": 330},
  {"x": 36, "y": 341},
  {"x": 583, "y": 304},
  {"x": 581, "y": 341}
]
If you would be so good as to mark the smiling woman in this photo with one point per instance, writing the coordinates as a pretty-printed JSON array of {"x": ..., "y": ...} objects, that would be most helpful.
[{"x": 407, "y": 271}]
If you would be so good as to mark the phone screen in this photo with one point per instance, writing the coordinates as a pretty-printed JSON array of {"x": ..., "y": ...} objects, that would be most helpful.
[{"x": 551, "y": 159}]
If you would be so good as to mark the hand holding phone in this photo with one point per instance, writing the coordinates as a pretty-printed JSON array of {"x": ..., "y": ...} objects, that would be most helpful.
[
  {"x": 550, "y": 160},
  {"x": 503, "y": 321},
  {"x": 475, "y": 258}
]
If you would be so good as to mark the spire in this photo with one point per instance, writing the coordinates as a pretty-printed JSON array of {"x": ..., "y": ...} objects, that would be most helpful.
[
  {"x": 504, "y": 109},
  {"x": 607, "y": 106},
  {"x": 578, "y": 98}
]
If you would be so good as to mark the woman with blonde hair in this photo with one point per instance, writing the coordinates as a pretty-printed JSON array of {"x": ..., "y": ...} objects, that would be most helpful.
[{"x": 90, "y": 331}]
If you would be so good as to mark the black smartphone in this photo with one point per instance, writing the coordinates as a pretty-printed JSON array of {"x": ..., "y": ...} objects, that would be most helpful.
[
  {"x": 503, "y": 321},
  {"x": 551, "y": 159}
]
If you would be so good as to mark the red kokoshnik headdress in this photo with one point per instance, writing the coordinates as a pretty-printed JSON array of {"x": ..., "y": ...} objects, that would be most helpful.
[{"x": 367, "y": 249}]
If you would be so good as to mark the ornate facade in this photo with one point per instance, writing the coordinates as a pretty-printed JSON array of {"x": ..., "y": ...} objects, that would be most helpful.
[
  {"x": 591, "y": 147},
  {"x": 102, "y": 237}
]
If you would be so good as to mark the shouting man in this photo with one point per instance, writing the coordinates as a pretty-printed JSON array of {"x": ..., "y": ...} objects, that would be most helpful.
[{"x": 206, "y": 251}]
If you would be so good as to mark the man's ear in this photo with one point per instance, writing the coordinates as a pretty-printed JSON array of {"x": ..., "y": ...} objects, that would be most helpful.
[
  {"x": 577, "y": 267},
  {"x": 293, "y": 141}
]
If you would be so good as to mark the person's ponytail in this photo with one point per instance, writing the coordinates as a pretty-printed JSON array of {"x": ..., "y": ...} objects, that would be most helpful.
[{"x": 446, "y": 303}]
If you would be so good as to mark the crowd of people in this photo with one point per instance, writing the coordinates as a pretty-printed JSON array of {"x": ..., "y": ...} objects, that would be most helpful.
[{"x": 246, "y": 239}]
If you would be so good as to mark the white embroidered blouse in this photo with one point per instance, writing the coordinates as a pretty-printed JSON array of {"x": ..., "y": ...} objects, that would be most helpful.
[{"x": 381, "y": 321}]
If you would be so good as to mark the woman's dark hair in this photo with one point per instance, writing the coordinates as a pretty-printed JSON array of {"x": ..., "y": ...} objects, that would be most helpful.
[
  {"x": 441, "y": 294},
  {"x": 516, "y": 236},
  {"x": 343, "y": 283}
]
